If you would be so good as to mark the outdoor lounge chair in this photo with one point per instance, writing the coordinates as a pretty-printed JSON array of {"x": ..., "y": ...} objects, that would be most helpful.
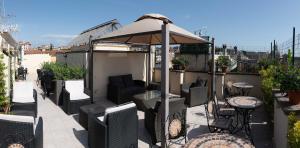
[
  {"x": 192, "y": 94},
  {"x": 22, "y": 130},
  {"x": 22, "y": 72},
  {"x": 121, "y": 88},
  {"x": 47, "y": 83},
  {"x": 89, "y": 110},
  {"x": 177, "y": 113},
  {"x": 74, "y": 96},
  {"x": 24, "y": 98},
  {"x": 116, "y": 128}
]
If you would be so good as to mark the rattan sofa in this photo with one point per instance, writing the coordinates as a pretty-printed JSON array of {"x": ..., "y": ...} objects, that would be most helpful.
[
  {"x": 120, "y": 89},
  {"x": 116, "y": 128}
]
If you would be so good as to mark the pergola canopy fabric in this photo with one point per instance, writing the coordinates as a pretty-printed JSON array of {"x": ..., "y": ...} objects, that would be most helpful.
[{"x": 147, "y": 30}]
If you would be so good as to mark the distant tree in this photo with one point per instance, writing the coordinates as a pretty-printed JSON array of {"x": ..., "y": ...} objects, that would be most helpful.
[{"x": 51, "y": 47}]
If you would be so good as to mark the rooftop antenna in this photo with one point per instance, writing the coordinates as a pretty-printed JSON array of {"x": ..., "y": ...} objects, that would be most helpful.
[
  {"x": 5, "y": 25},
  {"x": 201, "y": 32}
]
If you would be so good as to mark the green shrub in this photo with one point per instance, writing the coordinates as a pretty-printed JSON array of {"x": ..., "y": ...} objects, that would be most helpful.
[
  {"x": 223, "y": 61},
  {"x": 264, "y": 63},
  {"x": 180, "y": 60},
  {"x": 290, "y": 79},
  {"x": 293, "y": 131},
  {"x": 3, "y": 98},
  {"x": 64, "y": 72},
  {"x": 269, "y": 81}
]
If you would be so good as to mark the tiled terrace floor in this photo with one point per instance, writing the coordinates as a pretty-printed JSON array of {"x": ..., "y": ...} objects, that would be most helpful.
[{"x": 63, "y": 131}]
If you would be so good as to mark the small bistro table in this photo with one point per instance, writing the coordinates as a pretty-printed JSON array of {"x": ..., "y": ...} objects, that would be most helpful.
[
  {"x": 218, "y": 140},
  {"x": 243, "y": 87},
  {"x": 244, "y": 106}
]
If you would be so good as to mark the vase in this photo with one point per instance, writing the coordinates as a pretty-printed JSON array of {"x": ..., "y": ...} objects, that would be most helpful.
[{"x": 294, "y": 96}]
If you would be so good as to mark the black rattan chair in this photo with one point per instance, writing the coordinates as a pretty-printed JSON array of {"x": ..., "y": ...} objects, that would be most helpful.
[
  {"x": 74, "y": 96},
  {"x": 118, "y": 128},
  {"x": 177, "y": 112},
  {"x": 216, "y": 122},
  {"x": 21, "y": 130},
  {"x": 24, "y": 98},
  {"x": 48, "y": 83}
]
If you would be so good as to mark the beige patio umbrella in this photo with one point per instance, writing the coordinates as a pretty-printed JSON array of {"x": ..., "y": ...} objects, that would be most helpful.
[{"x": 154, "y": 29}]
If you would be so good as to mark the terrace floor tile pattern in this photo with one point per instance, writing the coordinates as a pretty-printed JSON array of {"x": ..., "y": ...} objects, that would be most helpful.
[{"x": 63, "y": 131}]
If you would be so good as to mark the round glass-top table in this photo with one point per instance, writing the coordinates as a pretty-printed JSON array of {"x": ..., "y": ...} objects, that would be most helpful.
[
  {"x": 244, "y": 106},
  {"x": 218, "y": 140},
  {"x": 243, "y": 87}
]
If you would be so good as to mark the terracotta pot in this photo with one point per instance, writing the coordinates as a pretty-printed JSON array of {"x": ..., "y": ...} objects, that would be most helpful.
[
  {"x": 294, "y": 96},
  {"x": 224, "y": 69}
]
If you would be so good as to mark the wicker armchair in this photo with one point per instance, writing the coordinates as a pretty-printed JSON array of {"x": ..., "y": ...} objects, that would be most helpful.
[
  {"x": 24, "y": 98},
  {"x": 21, "y": 130},
  {"x": 118, "y": 128},
  {"x": 177, "y": 112},
  {"x": 74, "y": 96},
  {"x": 48, "y": 83}
]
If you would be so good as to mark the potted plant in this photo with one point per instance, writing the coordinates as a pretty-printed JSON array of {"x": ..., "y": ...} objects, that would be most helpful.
[
  {"x": 290, "y": 83},
  {"x": 62, "y": 72},
  {"x": 223, "y": 62},
  {"x": 4, "y": 101},
  {"x": 180, "y": 63}
]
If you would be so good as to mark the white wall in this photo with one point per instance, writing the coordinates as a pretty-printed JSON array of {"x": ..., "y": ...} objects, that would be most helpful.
[
  {"x": 33, "y": 62},
  {"x": 110, "y": 64}
]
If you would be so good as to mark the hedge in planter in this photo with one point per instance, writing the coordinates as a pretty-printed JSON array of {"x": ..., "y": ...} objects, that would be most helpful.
[
  {"x": 64, "y": 72},
  {"x": 4, "y": 101}
]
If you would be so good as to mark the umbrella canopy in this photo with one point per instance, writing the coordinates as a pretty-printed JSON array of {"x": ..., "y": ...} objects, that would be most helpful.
[{"x": 147, "y": 30}]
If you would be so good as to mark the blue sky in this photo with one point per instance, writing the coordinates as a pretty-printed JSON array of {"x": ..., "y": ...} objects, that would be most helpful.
[{"x": 246, "y": 23}]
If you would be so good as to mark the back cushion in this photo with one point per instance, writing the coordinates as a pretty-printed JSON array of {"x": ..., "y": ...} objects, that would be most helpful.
[
  {"x": 122, "y": 123},
  {"x": 128, "y": 80},
  {"x": 23, "y": 90},
  {"x": 117, "y": 109},
  {"x": 74, "y": 86},
  {"x": 116, "y": 80}
]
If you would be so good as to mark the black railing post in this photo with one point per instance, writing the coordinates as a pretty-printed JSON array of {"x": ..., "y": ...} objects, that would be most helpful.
[{"x": 294, "y": 36}]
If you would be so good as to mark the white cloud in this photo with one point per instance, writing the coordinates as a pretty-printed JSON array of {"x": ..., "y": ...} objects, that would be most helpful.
[{"x": 59, "y": 36}]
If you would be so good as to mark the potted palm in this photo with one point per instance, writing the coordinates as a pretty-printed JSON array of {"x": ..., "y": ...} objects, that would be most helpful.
[
  {"x": 180, "y": 63},
  {"x": 223, "y": 62},
  {"x": 290, "y": 83}
]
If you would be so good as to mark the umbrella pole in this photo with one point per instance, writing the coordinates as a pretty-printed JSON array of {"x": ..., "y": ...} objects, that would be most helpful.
[
  {"x": 213, "y": 70},
  {"x": 165, "y": 84}
]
